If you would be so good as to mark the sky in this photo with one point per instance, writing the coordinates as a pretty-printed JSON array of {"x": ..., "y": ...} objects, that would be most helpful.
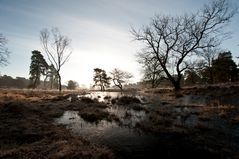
[{"x": 99, "y": 31}]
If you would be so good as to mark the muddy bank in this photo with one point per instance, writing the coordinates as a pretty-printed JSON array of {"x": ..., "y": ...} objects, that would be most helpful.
[
  {"x": 206, "y": 118},
  {"x": 224, "y": 94}
]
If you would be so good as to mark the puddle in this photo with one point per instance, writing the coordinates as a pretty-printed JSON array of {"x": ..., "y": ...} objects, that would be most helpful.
[
  {"x": 124, "y": 141},
  {"x": 102, "y": 96},
  {"x": 128, "y": 142},
  {"x": 90, "y": 130},
  {"x": 106, "y": 97},
  {"x": 128, "y": 117}
]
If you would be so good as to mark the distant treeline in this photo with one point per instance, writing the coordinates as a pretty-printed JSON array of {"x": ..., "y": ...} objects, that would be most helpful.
[
  {"x": 19, "y": 82},
  {"x": 9, "y": 82}
]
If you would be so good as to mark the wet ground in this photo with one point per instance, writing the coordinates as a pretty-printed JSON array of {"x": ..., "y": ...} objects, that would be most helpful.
[{"x": 193, "y": 123}]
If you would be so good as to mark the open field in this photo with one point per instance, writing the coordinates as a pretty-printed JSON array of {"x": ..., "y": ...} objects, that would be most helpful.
[{"x": 180, "y": 126}]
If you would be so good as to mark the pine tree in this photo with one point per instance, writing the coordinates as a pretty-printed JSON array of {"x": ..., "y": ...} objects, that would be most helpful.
[
  {"x": 101, "y": 79},
  {"x": 224, "y": 68},
  {"x": 38, "y": 67}
]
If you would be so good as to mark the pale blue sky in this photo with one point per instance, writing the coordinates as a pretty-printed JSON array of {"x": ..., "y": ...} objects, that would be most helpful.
[{"x": 99, "y": 30}]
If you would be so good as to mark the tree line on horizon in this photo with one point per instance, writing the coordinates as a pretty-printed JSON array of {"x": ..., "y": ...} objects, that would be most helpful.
[
  {"x": 24, "y": 83},
  {"x": 178, "y": 49},
  {"x": 219, "y": 68},
  {"x": 39, "y": 69}
]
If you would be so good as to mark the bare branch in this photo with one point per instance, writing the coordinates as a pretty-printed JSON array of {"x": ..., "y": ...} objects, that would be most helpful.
[
  {"x": 4, "y": 53},
  {"x": 58, "y": 52},
  {"x": 171, "y": 40}
]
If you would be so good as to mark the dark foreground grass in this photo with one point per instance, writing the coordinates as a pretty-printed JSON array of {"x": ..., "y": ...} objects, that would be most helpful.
[
  {"x": 28, "y": 131},
  {"x": 27, "y": 128}
]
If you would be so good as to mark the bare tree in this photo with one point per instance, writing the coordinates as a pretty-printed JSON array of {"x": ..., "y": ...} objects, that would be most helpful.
[
  {"x": 152, "y": 70},
  {"x": 51, "y": 77},
  {"x": 174, "y": 40},
  {"x": 120, "y": 78},
  {"x": 57, "y": 48},
  {"x": 208, "y": 55},
  {"x": 4, "y": 53}
]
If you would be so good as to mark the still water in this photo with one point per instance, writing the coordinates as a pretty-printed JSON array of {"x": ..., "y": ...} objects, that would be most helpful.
[{"x": 124, "y": 138}]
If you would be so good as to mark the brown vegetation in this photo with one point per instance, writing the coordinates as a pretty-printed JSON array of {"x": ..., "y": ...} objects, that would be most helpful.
[{"x": 28, "y": 130}]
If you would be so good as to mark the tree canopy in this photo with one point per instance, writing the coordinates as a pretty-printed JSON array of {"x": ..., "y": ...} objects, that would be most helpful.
[
  {"x": 224, "y": 68},
  {"x": 101, "y": 79},
  {"x": 152, "y": 71},
  {"x": 4, "y": 53},
  {"x": 38, "y": 67},
  {"x": 72, "y": 85},
  {"x": 57, "y": 48}
]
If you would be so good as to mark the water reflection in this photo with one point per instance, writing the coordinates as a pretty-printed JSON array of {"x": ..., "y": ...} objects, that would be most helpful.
[
  {"x": 128, "y": 117},
  {"x": 124, "y": 141},
  {"x": 186, "y": 111},
  {"x": 90, "y": 130},
  {"x": 108, "y": 96}
]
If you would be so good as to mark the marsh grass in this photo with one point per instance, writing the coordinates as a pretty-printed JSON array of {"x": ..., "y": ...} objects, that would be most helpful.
[{"x": 28, "y": 131}]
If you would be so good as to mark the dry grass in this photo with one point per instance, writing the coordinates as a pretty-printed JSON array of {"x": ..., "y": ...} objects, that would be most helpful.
[{"x": 28, "y": 131}]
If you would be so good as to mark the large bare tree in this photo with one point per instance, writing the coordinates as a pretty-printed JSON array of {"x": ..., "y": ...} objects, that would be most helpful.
[
  {"x": 173, "y": 40},
  {"x": 4, "y": 53},
  {"x": 57, "y": 48}
]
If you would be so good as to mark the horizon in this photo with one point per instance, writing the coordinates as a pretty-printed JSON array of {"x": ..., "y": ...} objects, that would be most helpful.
[{"x": 99, "y": 32}]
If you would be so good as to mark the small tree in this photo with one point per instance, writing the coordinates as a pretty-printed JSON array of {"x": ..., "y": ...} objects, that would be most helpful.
[
  {"x": 208, "y": 55},
  {"x": 191, "y": 77},
  {"x": 120, "y": 77},
  {"x": 72, "y": 85},
  {"x": 152, "y": 70},
  {"x": 51, "y": 77},
  {"x": 38, "y": 67},
  {"x": 4, "y": 53},
  {"x": 57, "y": 48},
  {"x": 224, "y": 68},
  {"x": 101, "y": 79}
]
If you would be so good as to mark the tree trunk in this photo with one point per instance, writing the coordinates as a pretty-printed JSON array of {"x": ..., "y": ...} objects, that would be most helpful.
[
  {"x": 211, "y": 76},
  {"x": 177, "y": 85},
  {"x": 59, "y": 81},
  {"x": 176, "y": 82},
  {"x": 35, "y": 83},
  {"x": 153, "y": 85},
  {"x": 118, "y": 85}
]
